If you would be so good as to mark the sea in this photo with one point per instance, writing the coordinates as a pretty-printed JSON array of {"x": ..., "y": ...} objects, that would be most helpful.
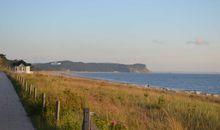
[{"x": 204, "y": 83}]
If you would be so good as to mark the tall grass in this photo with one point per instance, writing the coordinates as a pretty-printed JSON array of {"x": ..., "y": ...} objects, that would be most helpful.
[{"x": 118, "y": 106}]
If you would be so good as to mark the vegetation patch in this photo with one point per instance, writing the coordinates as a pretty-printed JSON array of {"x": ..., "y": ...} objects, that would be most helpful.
[{"x": 115, "y": 106}]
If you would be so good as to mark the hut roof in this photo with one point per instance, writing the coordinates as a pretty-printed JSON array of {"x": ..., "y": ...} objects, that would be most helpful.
[{"x": 19, "y": 62}]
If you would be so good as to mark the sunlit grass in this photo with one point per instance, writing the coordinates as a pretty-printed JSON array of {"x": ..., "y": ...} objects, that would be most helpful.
[{"x": 125, "y": 105}]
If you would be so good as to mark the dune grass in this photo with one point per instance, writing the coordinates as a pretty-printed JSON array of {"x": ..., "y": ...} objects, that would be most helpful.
[{"x": 117, "y": 106}]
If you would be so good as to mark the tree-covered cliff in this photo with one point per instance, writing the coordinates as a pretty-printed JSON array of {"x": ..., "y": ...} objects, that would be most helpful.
[{"x": 90, "y": 67}]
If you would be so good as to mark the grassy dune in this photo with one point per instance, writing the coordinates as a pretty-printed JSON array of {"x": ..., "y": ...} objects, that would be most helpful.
[{"x": 125, "y": 106}]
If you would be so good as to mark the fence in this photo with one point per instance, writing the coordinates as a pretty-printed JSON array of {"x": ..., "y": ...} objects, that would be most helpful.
[{"x": 32, "y": 92}]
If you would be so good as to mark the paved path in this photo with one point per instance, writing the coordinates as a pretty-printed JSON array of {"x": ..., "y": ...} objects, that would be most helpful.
[{"x": 12, "y": 113}]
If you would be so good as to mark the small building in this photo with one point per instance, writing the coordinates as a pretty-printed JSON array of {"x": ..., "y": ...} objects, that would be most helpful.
[{"x": 21, "y": 66}]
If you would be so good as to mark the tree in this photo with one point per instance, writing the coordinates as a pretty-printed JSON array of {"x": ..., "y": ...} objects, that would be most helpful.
[
  {"x": 2, "y": 56},
  {"x": 3, "y": 60}
]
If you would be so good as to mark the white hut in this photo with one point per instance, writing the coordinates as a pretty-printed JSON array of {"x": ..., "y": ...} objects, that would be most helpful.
[{"x": 21, "y": 67}]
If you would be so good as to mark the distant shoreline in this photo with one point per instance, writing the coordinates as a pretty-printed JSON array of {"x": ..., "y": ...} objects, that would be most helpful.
[{"x": 160, "y": 88}]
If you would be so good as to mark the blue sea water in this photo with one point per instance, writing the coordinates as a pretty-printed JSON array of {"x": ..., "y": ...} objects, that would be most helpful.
[{"x": 207, "y": 83}]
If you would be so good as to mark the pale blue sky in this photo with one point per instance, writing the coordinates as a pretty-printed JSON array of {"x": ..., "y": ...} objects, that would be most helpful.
[{"x": 166, "y": 35}]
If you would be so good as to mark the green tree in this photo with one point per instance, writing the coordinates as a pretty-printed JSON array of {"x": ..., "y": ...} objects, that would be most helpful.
[{"x": 3, "y": 60}]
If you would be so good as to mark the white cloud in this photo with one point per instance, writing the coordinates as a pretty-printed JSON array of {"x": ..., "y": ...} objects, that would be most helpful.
[{"x": 198, "y": 41}]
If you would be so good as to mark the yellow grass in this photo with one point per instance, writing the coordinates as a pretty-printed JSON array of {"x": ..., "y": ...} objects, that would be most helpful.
[{"x": 131, "y": 107}]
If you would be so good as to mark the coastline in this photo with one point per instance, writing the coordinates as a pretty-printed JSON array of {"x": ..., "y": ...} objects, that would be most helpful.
[
  {"x": 151, "y": 87},
  {"x": 146, "y": 86}
]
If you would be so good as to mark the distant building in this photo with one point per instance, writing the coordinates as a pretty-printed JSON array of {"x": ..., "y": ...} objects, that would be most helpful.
[{"x": 21, "y": 66}]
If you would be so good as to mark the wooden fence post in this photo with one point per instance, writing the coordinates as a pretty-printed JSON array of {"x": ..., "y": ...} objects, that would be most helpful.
[
  {"x": 22, "y": 83},
  {"x": 86, "y": 119},
  {"x": 26, "y": 87},
  {"x": 30, "y": 89},
  {"x": 43, "y": 102},
  {"x": 35, "y": 94},
  {"x": 57, "y": 114}
]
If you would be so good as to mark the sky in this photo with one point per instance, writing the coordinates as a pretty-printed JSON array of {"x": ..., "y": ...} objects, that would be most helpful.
[{"x": 166, "y": 35}]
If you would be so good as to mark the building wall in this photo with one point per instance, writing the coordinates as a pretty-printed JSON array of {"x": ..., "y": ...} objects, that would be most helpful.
[
  {"x": 28, "y": 69},
  {"x": 22, "y": 69}
]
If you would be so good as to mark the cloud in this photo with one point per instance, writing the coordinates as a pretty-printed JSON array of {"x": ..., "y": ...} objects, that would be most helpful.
[
  {"x": 158, "y": 42},
  {"x": 198, "y": 41}
]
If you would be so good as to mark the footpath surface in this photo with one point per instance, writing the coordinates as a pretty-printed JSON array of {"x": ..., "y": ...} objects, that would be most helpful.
[{"x": 12, "y": 113}]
